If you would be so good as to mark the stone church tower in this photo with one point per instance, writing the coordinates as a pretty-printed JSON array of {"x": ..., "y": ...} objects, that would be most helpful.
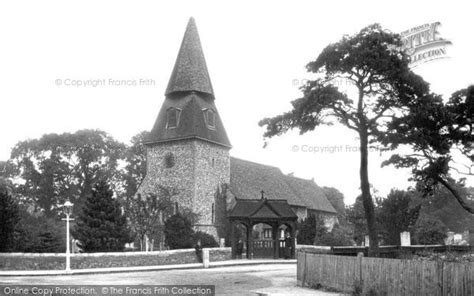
[{"x": 188, "y": 148}]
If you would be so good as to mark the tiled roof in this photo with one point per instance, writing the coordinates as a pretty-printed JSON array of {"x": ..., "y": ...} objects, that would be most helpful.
[
  {"x": 190, "y": 70},
  {"x": 262, "y": 209},
  {"x": 191, "y": 121},
  {"x": 247, "y": 179},
  {"x": 311, "y": 194}
]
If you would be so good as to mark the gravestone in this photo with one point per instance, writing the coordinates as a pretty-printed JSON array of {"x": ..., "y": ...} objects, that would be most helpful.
[
  {"x": 367, "y": 241},
  {"x": 405, "y": 238}
]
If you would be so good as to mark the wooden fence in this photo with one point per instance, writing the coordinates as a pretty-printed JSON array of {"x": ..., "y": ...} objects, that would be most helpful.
[
  {"x": 385, "y": 276},
  {"x": 395, "y": 251}
]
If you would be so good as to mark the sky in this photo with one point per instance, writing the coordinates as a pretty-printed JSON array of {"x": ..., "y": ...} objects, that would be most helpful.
[{"x": 63, "y": 65}]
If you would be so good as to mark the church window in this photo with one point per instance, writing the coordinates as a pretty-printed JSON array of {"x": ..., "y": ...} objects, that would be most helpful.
[
  {"x": 169, "y": 160},
  {"x": 210, "y": 118},
  {"x": 213, "y": 214},
  {"x": 172, "y": 117}
]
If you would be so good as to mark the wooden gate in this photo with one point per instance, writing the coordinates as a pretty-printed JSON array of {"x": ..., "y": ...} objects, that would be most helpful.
[
  {"x": 282, "y": 248},
  {"x": 263, "y": 248}
]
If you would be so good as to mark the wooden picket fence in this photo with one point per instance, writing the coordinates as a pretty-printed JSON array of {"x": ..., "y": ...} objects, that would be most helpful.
[{"x": 384, "y": 276}]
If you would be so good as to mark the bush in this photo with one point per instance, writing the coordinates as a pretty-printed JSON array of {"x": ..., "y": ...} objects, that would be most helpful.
[
  {"x": 49, "y": 242},
  {"x": 429, "y": 231},
  {"x": 179, "y": 233},
  {"x": 207, "y": 240},
  {"x": 310, "y": 230},
  {"x": 339, "y": 236}
]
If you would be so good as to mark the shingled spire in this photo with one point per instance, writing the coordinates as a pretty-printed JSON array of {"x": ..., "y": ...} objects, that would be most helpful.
[
  {"x": 189, "y": 111},
  {"x": 190, "y": 70}
]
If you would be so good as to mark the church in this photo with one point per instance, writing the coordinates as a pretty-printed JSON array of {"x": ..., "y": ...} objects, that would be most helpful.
[{"x": 189, "y": 150}]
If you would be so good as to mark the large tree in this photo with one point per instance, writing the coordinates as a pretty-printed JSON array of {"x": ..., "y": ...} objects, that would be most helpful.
[
  {"x": 101, "y": 226},
  {"x": 373, "y": 61},
  {"x": 441, "y": 138},
  {"x": 135, "y": 169},
  {"x": 59, "y": 167}
]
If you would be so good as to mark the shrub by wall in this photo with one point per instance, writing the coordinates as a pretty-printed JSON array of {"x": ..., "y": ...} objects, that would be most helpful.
[
  {"x": 220, "y": 254},
  {"x": 49, "y": 261},
  {"x": 36, "y": 261}
]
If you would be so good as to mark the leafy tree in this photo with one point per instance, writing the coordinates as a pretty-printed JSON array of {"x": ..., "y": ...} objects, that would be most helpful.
[
  {"x": 356, "y": 218},
  {"x": 438, "y": 134},
  {"x": 179, "y": 232},
  {"x": 384, "y": 84},
  {"x": 101, "y": 226},
  {"x": 59, "y": 167},
  {"x": 396, "y": 214},
  {"x": 336, "y": 198},
  {"x": 36, "y": 233},
  {"x": 429, "y": 231},
  {"x": 340, "y": 235},
  {"x": 146, "y": 214},
  {"x": 3, "y": 168},
  {"x": 442, "y": 206},
  {"x": 9, "y": 216},
  {"x": 135, "y": 157},
  {"x": 6, "y": 169},
  {"x": 310, "y": 229},
  {"x": 207, "y": 240}
]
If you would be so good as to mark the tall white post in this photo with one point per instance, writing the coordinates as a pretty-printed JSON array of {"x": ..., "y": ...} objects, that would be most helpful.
[{"x": 68, "y": 211}]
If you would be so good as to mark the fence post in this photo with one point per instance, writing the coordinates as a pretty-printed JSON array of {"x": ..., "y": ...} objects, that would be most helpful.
[
  {"x": 360, "y": 255},
  {"x": 305, "y": 269}
]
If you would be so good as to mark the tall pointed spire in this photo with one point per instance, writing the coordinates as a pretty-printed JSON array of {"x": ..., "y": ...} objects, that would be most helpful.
[
  {"x": 190, "y": 70},
  {"x": 189, "y": 110}
]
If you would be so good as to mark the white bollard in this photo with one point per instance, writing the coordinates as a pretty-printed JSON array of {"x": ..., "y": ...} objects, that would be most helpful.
[{"x": 205, "y": 258}]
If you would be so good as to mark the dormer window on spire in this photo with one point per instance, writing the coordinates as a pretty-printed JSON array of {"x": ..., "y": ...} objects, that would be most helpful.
[
  {"x": 210, "y": 118},
  {"x": 172, "y": 117}
]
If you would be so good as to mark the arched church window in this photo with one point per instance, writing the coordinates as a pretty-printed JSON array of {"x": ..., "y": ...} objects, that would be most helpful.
[
  {"x": 169, "y": 160},
  {"x": 210, "y": 118},
  {"x": 213, "y": 213},
  {"x": 172, "y": 117}
]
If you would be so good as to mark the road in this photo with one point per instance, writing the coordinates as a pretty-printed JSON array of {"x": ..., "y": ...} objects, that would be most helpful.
[
  {"x": 233, "y": 280},
  {"x": 236, "y": 280}
]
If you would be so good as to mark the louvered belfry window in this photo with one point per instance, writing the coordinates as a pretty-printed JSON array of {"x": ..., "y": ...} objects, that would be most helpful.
[
  {"x": 172, "y": 117},
  {"x": 210, "y": 117}
]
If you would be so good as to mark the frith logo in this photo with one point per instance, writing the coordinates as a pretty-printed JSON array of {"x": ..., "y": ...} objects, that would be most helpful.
[{"x": 424, "y": 44}]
